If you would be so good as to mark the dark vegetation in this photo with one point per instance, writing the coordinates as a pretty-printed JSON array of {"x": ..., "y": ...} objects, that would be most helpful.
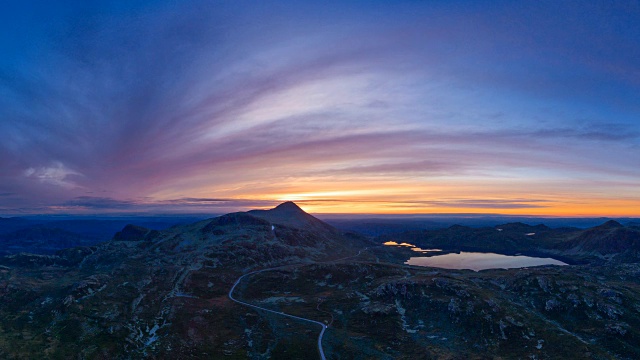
[{"x": 161, "y": 292}]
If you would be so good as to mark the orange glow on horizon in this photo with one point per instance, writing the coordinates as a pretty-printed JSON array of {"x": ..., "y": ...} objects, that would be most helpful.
[
  {"x": 613, "y": 208},
  {"x": 554, "y": 207},
  {"x": 506, "y": 196}
]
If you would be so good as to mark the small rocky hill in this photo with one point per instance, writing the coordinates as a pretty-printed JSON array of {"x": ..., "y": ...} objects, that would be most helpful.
[{"x": 606, "y": 239}]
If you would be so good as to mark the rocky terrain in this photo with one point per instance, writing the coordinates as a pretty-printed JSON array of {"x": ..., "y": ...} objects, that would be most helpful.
[
  {"x": 384, "y": 311},
  {"x": 162, "y": 294}
]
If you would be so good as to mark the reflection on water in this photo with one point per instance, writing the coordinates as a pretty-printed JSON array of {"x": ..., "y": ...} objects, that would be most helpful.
[
  {"x": 413, "y": 247},
  {"x": 417, "y": 249},
  {"x": 480, "y": 261},
  {"x": 393, "y": 243}
]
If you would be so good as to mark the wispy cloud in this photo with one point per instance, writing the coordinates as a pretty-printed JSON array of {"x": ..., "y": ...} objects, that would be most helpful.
[
  {"x": 83, "y": 204},
  {"x": 95, "y": 203},
  {"x": 489, "y": 204},
  {"x": 204, "y": 105},
  {"x": 55, "y": 174},
  {"x": 440, "y": 204}
]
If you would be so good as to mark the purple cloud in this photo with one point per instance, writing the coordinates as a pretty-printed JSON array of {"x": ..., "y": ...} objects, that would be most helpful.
[{"x": 201, "y": 105}]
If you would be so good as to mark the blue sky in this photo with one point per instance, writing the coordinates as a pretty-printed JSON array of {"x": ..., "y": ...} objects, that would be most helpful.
[{"x": 527, "y": 107}]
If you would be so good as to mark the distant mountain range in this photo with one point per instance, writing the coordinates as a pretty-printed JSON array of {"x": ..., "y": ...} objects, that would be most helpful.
[
  {"x": 40, "y": 239},
  {"x": 377, "y": 225},
  {"x": 46, "y": 235},
  {"x": 608, "y": 240}
]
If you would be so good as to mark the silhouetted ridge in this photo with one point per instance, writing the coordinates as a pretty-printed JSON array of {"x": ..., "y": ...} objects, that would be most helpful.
[
  {"x": 611, "y": 224},
  {"x": 288, "y": 207},
  {"x": 608, "y": 238},
  {"x": 457, "y": 227},
  {"x": 519, "y": 226},
  {"x": 131, "y": 233},
  {"x": 135, "y": 233},
  {"x": 239, "y": 219},
  {"x": 290, "y": 214}
]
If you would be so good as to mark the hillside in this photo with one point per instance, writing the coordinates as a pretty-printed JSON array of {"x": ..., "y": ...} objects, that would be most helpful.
[
  {"x": 122, "y": 296},
  {"x": 606, "y": 239},
  {"x": 165, "y": 294},
  {"x": 611, "y": 240}
]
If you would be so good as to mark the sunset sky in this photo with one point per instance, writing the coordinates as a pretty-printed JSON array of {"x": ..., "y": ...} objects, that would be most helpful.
[{"x": 509, "y": 107}]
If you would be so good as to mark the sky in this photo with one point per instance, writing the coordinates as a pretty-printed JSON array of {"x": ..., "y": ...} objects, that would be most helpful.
[{"x": 502, "y": 107}]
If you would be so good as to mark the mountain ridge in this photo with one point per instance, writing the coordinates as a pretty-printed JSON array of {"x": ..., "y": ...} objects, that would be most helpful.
[
  {"x": 290, "y": 214},
  {"x": 165, "y": 294}
]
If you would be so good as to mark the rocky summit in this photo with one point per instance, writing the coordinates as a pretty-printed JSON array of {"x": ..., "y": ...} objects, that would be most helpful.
[{"x": 165, "y": 294}]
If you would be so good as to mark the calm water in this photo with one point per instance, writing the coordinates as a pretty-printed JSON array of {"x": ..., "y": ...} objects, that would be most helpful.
[{"x": 481, "y": 261}]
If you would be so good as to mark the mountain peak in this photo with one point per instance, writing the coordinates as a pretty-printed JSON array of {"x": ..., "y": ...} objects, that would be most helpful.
[
  {"x": 290, "y": 214},
  {"x": 611, "y": 224},
  {"x": 288, "y": 207}
]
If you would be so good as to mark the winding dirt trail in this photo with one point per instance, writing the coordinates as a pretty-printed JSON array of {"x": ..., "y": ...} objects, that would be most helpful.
[{"x": 322, "y": 325}]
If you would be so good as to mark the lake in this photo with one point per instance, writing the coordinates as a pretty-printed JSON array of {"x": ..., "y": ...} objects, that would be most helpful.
[{"x": 481, "y": 261}]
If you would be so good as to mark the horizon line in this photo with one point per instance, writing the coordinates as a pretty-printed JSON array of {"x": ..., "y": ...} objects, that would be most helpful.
[{"x": 323, "y": 214}]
